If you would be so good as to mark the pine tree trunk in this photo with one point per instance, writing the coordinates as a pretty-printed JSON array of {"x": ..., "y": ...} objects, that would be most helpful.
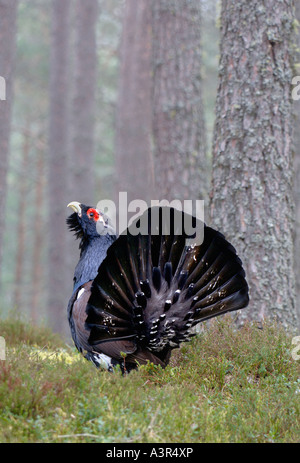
[
  {"x": 296, "y": 140},
  {"x": 84, "y": 102},
  {"x": 19, "y": 302},
  {"x": 252, "y": 160},
  {"x": 181, "y": 165},
  {"x": 57, "y": 168},
  {"x": 8, "y": 15},
  {"x": 134, "y": 164},
  {"x": 38, "y": 234}
]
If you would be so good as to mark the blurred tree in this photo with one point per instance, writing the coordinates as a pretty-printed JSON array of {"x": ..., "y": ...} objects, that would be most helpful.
[
  {"x": 83, "y": 103},
  {"x": 23, "y": 192},
  {"x": 83, "y": 73},
  {"x": 252, "y": 159},
  {"x": 210, "y": 32},
  {"x": 8, "y": 15},
  {"x": 57, "y": 164},
  {"x": 181, "y": 164},
  {"x": 39, "y": 237},
  {"x": 134, "y": 165},
  {"x": 30, "y": 104},
  {"x": 108, "y": 45}
]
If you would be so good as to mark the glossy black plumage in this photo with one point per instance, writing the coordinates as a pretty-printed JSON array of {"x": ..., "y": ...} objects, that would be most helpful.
[{"x": 150, "y": 290}]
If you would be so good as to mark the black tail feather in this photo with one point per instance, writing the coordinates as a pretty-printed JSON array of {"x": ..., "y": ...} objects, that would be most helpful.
[{"x": 154, "y": 288}]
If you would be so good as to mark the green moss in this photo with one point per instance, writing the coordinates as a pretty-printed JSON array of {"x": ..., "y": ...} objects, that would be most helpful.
[{"x": 227, "y": 385}]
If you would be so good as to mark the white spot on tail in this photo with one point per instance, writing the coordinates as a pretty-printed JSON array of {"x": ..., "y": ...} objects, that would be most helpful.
[{"x": 103, "y": 361}]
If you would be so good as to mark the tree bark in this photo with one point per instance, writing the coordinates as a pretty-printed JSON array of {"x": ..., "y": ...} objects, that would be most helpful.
[
  {"x": 84, "y": 103},
  {"x": 57, "y": 168},
  {"x": 181, "y": 165},
  {"x": 296, "y": 140},
  {"x": 251, "y": 198},
  {"x": 8, "y": 15},
  {"x": 134, "y": 164}
]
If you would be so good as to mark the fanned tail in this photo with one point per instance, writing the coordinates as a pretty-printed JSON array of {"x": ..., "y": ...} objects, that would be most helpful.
[{"x": 152, "y": 289}]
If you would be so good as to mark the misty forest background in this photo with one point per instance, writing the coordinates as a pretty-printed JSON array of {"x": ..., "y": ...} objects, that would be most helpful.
[{"x": 173, "y": 99}]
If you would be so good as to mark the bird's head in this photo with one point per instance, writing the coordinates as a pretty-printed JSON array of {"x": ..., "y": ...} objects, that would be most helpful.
[{"x": 88, "y": 222}]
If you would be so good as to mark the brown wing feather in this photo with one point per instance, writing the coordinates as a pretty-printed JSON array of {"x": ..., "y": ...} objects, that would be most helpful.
[{"x": 79, "y": 316}]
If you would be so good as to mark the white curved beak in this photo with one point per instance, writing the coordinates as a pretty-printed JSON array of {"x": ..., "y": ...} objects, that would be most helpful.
[{"x": 76, "y": 207}]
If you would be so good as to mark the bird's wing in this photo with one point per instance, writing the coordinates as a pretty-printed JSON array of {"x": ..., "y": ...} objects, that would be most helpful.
[
  {"x": 151, "y": 289},
  {"x": 77, "y": 316}
]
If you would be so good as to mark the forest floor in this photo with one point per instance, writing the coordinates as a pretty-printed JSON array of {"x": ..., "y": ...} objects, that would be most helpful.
[{"x": 226, "y": 385}]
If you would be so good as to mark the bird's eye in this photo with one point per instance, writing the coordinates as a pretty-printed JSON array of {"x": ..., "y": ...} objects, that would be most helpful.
[{"x": 93, "y": 214}]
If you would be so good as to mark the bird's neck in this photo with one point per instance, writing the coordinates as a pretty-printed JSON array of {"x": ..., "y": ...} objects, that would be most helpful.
[{"x": 93, "y": 252}]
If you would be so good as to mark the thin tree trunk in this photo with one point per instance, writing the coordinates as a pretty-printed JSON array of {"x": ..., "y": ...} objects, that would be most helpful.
[
  {"x": 134, "y": 164},
  {"x": 252, "y": 160},
  {"x": 57, "y": 169},
  {"x": 38, "y": 234},
  {"x": 22, "y": 206},
  {"x": 8, "y": 15},
  {"x": 83, "y": 103},
  {"x": 181, "y": 165}
]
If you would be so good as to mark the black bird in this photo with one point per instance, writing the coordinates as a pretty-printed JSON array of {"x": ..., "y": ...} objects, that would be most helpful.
[{"x": 138, "y": 296}]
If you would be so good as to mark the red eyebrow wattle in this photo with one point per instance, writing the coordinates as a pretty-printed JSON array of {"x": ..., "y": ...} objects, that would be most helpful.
[{"x": 95, "y": 212}]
